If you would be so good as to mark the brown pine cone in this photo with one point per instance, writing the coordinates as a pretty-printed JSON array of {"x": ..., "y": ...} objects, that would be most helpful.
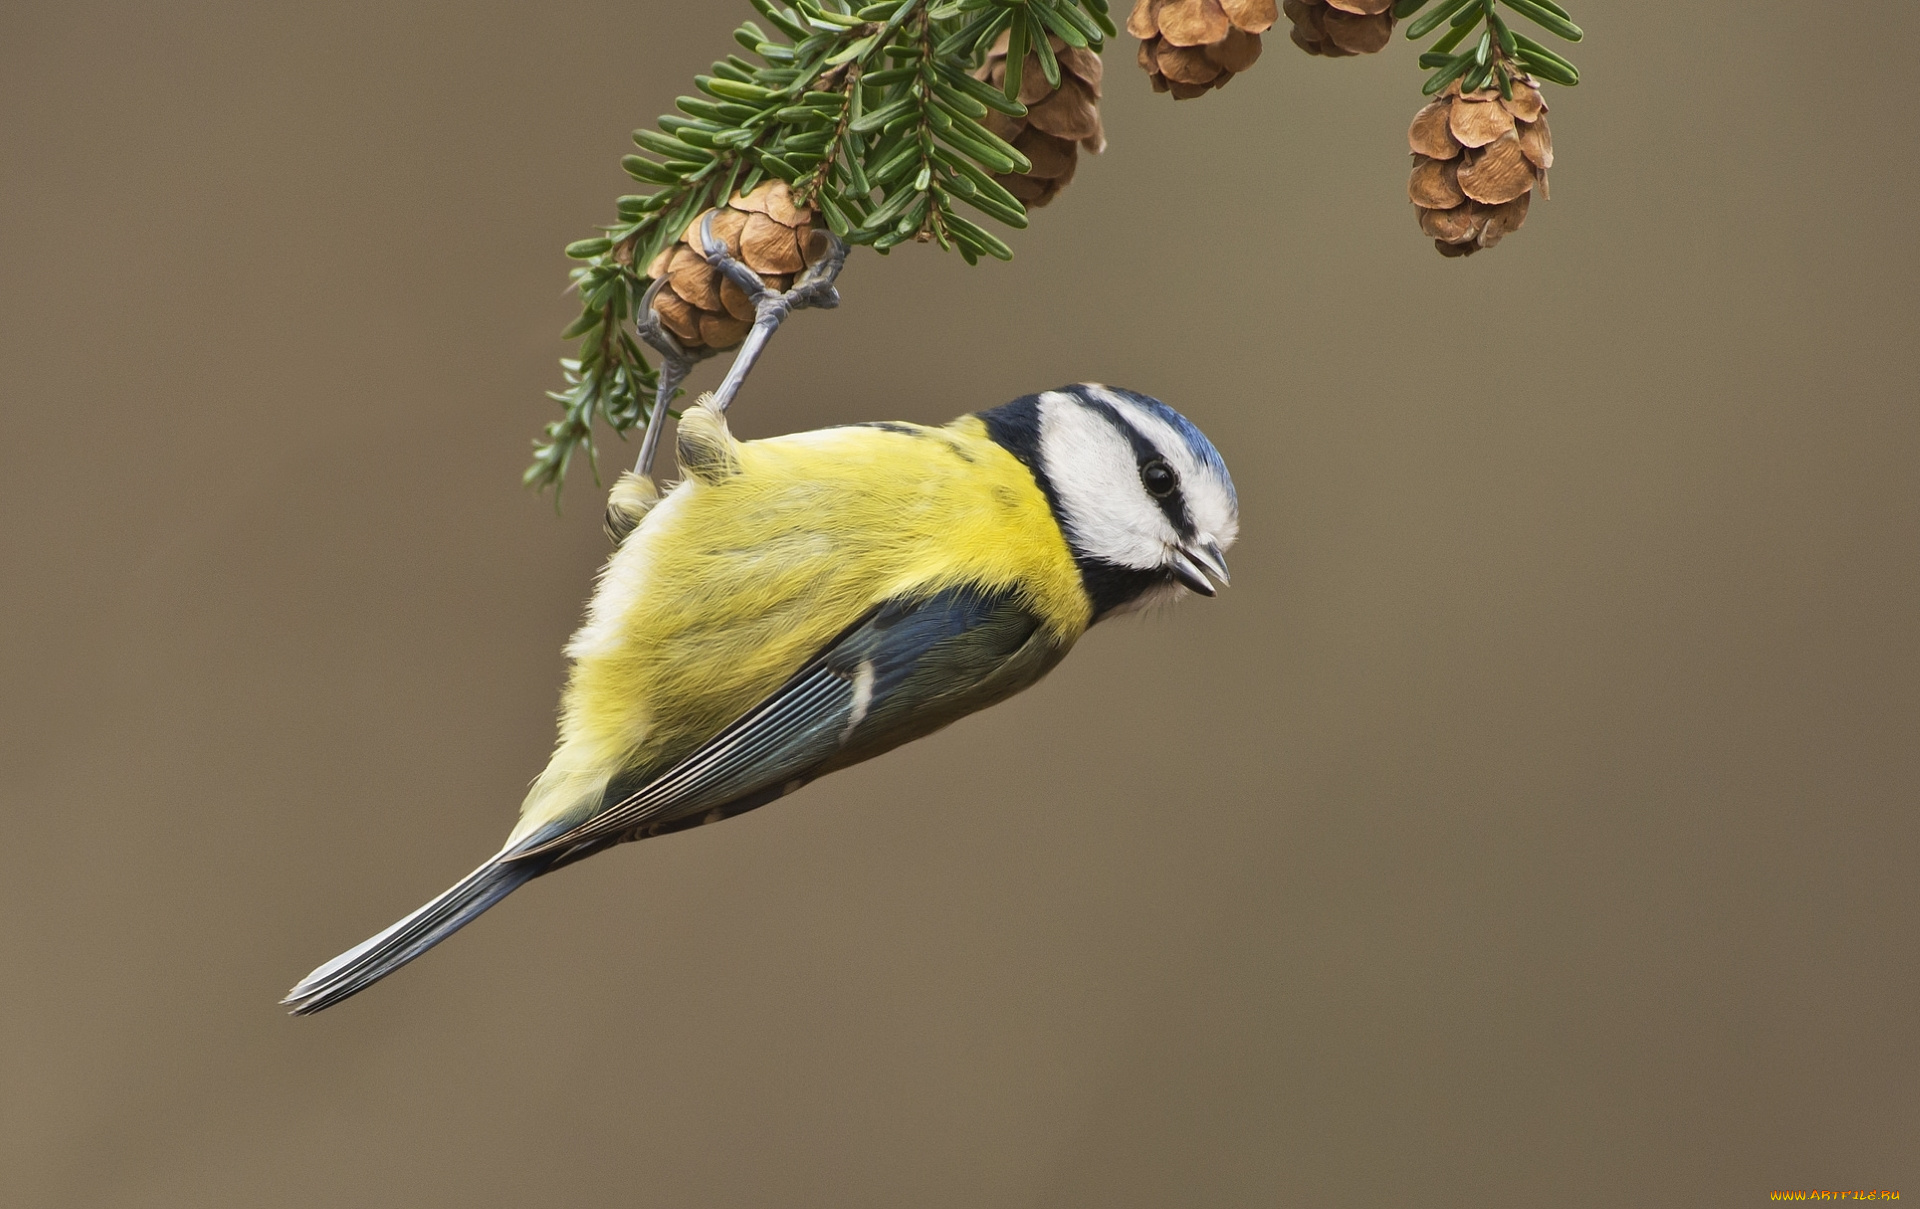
[
  {"x": 1189, "y": 46},
  {"x": 1340, "y": 27},
  {"x": 1476, "y": 162},
  {"x": 764, "y": 231},
  {"x": 1059, "y": 121}
]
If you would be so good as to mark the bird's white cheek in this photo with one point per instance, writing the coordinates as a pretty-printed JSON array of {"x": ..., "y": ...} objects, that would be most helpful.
[{"x": 1094, "y": 475}]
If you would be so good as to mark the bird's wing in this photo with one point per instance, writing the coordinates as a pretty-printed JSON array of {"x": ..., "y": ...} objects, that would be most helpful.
[{"x": 905, "y": 669}]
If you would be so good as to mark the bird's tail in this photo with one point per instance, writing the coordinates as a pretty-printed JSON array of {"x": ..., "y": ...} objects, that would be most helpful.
[{"x": 371, "y": 960}]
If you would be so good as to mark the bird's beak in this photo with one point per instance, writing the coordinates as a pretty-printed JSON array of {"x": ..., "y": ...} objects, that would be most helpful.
[{"x": 1193, "y": 564}]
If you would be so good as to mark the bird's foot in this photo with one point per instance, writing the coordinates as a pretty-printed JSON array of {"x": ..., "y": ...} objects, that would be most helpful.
[
  {"x": 813, "y": 288},
  {"x": 676, "y": 362}
]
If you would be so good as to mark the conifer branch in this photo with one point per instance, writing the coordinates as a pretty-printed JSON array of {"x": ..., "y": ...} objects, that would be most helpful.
[
  {"x": 877, "y": 119},
  {"x": 869, "y": 114}
]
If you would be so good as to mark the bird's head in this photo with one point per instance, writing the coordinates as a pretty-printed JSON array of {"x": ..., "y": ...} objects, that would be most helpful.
[{"x": 1143, "y": 497}]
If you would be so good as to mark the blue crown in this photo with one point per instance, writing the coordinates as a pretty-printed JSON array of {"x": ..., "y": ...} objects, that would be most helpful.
[{"x": 1196, "y": 440}]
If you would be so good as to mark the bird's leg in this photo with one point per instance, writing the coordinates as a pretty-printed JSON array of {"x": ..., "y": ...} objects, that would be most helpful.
[
  {"x": 675, "y": 364},
  {"x": 813, "y": 288}
]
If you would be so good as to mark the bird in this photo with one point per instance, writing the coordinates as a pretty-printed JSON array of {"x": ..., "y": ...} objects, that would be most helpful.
[{"x": 801, "y": 603}]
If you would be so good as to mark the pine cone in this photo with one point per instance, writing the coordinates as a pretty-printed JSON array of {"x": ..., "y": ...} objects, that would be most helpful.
[
  {"x": 1476, "y": 161},
  {"x": 765, "y": 232},
  {"x": 1059, "y": 121},
  {"x": 1189, "y": 46},
  {"x": 1340, "y": 27}
]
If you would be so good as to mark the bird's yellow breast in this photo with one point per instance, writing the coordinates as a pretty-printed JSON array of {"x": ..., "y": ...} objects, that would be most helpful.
[{"x": 735, "y": 580}]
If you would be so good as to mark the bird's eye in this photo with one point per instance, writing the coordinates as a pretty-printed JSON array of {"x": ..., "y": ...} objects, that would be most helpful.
[{"x": 1159, "y": 478}]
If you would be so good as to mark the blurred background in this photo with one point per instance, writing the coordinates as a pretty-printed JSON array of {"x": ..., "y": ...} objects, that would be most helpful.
[{"x": 1533, "y": 822}]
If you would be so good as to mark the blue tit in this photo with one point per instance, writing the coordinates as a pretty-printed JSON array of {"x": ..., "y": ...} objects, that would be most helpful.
[{"x": 806, "y": 602}]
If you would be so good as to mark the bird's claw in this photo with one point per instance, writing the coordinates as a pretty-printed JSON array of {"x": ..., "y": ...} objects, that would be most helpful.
[
  {"x": 676, "y": 362},
  {"x": 813, "y": 288},
  {"x": 660, "y": 339}
]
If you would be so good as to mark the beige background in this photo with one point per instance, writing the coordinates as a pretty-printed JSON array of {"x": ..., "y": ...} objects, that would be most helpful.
[{"x": 1532, "y": 823}]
